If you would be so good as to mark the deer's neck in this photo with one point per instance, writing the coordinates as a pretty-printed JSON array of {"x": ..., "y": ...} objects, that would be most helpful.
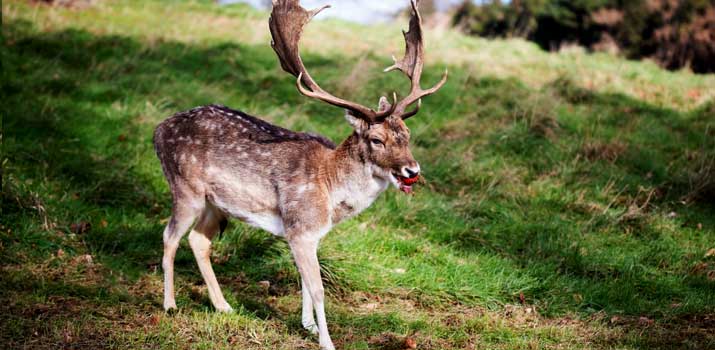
[{"x": 351, "y": 180}]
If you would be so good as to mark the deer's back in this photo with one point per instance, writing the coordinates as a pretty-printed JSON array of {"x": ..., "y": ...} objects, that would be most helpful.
[{"x": 220, "y": 136}]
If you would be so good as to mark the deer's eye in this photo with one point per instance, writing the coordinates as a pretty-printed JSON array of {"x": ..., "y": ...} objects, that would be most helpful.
[{"x": 377, "y": 142}]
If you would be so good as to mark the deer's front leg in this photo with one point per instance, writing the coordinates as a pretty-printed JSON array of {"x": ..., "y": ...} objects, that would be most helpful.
[
  {"x": 307, "y": 317},
  {"x": 305, "y": 253}
]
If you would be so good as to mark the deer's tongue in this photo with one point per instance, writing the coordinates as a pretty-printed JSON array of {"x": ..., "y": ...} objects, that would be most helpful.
[
  {"x": 406, "y": 188},
  {"x": 406, "y": 183}
]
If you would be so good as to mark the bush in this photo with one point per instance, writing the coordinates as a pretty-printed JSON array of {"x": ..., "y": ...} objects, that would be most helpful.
[
  {"x": 674, "y": 33},
  {"x": 684, "y": 36},
  {"x": 494, "y": 19}
]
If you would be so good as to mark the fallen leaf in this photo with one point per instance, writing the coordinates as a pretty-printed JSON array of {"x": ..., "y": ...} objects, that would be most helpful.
[
  {"x": 578, "y": 297},
  {"x": 122, "y": 137},
  {"x": 699, "y": 267},
  {"x": 265, "y": 285},
  {"x": 645, "y": 321},
  {"x": 710, "y": 253},
  {"x": 521, "y": 298},
  {"x": 369, "y": 306},
  {"x": 154, "y": 320},
  {"x": 80, "y": 227},
  {"x": 410, "y": 343},
  {"x": 103, "y": 223},
  {"x": 694, "y": 94},
  {"x": 60, "y": 253}
]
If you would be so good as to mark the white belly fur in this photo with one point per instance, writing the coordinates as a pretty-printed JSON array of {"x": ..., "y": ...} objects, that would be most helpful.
[{"x": 267, "y": 221}]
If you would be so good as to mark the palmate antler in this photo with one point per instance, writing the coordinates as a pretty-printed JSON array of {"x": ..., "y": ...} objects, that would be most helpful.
[
  {"x": 286, "y": 25},
  {"x": 412, "y": 65}
]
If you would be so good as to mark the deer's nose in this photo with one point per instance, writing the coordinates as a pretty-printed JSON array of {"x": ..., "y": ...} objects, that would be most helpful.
[{"x": 411, "y": 171}]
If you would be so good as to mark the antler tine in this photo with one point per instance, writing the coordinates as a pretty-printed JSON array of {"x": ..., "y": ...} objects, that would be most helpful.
[
  {"x": 412, "y": 112},
  {"x": 286, "y": 25},
  {"x": 411, "y": 65}
]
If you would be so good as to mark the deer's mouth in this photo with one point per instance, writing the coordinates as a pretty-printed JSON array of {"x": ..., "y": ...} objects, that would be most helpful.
[{"x": 405, "y": 183}]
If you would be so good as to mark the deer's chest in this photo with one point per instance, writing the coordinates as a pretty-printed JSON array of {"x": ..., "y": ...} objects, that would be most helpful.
[{"x": 350, "y": 200}]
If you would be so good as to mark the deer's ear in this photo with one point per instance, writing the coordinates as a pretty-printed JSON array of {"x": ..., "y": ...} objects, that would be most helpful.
[
  {"x": 383, "y": 104},
  {"x": 359, "y": 124}
]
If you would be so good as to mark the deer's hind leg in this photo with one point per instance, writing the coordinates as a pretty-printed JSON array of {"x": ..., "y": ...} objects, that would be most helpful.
[
  {"x": 183, "y": 215},
  {"x": 209, "y": 223}
]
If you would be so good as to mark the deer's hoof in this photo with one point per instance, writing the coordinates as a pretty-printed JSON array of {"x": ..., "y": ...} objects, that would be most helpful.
[
  {"x": 169, "y": 306},
  {"x": 312, "y": 328},
  {"x": 225, "y": 309}
]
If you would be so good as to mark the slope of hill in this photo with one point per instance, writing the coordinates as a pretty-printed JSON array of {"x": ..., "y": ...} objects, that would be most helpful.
[{"x": 567, "y": 200}]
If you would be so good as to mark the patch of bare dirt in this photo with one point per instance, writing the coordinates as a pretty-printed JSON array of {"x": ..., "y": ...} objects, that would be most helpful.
[
  {"x": 687, "y": 331},
  {"x": 545, "y": 126},
  {"x": 55, "y": 323}
]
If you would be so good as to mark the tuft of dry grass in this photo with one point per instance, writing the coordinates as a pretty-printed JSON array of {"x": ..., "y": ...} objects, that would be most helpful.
[
  {"x": 701, "y": 178},
  {"x": 608, "y": 151}
]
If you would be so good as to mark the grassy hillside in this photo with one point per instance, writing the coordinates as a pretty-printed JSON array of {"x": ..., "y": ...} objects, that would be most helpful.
[{"x": 567, "y": 200}]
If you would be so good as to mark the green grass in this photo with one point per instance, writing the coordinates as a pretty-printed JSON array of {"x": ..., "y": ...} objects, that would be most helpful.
[{"x": 567, "y": 201}]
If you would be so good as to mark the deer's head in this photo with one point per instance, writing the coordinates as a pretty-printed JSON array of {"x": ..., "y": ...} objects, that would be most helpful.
[
  {"x": 385, "y": 146},
  {"x": 382, "y": 133}
]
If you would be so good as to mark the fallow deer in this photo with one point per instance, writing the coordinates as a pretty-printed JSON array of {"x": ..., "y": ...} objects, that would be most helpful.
[{"x": 222, "y": 163}]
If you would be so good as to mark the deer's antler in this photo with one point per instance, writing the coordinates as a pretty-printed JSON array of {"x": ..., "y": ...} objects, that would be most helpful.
[
  {"x": 286, "y": 24},
  {"x": 411, "y": 65}
]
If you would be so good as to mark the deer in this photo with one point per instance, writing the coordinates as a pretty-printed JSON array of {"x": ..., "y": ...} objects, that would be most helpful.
[{"x": 222, "y": 163}]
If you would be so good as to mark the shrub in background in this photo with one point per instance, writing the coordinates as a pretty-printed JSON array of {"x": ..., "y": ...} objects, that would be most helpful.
[{"x": 676, "y": 33}]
